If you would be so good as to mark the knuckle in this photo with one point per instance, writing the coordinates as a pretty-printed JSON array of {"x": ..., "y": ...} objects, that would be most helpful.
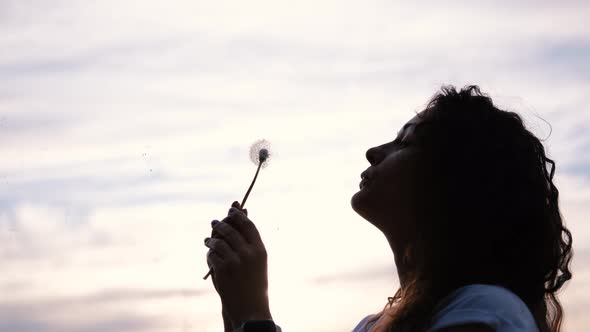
[
  {"x": 220, "y": 245},
  {"x": 239, "y": 216},
  {"x": 212, "y": 243},
  {"x": 219, "y": 227},
  {"x": 230, "y": 238},
  {"x": 224, "y": 227},
  {"x": 261, "y": 252}
]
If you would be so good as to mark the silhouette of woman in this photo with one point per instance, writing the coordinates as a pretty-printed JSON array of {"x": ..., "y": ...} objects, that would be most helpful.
[{"x": 466, "y": 200}]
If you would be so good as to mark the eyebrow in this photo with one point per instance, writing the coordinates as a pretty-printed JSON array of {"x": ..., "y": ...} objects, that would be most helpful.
[{"x": 405, "y": 127}]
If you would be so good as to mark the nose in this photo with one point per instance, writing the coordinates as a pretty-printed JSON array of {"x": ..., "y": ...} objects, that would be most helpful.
[{"x": 374, "y": 155}]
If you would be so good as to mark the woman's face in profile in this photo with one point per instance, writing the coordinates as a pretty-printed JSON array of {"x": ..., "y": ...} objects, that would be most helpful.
[{"x": 390, "y": 190}]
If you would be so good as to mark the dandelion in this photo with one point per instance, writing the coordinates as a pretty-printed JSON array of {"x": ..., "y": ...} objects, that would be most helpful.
[
  {"x": 259, "y": 152},
  {"x": 260, "y": 155}
]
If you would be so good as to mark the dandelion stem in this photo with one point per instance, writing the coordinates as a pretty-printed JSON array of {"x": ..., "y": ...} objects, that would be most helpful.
[
  {"x": 251, "y": 185},
  {"x": 241, "y": 205},
  {"x": 261, "y": 158}
]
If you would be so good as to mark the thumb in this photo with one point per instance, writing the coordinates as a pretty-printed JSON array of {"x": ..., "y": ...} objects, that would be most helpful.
[{"x": 236, "y": 205}]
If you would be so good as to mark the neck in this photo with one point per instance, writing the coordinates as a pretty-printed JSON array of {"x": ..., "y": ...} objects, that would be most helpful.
[{"x": 402, "y": 266}]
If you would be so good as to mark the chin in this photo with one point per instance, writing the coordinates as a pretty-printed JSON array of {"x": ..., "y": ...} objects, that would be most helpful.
[
  {"x": 365, "y": 206},
  {"x": 358, "y": 202}
]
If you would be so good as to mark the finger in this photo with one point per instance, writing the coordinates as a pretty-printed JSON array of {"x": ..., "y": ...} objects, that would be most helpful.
[
  {"x": 236, "y": 205},
  {"x": 220, "y": 247},
  {"x": 235, "y": 240},
  {"x": 213, "y": 232},
  {"x": 213, "y": 259},
  {"x": 240, "y": 221}
]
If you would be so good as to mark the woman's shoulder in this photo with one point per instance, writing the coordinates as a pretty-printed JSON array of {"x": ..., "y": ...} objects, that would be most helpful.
[
  {"x": 476, "y": 295},
  {"x": 364, "y": 325},
  {"x": 492, "y": 305}
]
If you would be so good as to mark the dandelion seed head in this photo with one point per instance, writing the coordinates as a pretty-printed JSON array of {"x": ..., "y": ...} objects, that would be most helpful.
[
  {"x": 260, "y": 152},
  {"x": 263, "y": 155}
]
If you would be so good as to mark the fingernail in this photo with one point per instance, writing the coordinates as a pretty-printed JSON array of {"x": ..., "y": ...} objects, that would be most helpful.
[
  {"x": 207, "y": 239},
  {"x": 214, "y": 222}
]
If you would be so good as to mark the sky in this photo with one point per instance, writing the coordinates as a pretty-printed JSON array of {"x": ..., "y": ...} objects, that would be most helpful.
[{"x": 125, "y": 128}]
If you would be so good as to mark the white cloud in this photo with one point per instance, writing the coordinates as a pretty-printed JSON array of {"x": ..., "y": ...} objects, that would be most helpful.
[{"x": 124, "y": 128}]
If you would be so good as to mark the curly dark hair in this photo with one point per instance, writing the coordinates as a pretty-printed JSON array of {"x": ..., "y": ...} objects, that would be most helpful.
[{"x": 497, "y": 213}]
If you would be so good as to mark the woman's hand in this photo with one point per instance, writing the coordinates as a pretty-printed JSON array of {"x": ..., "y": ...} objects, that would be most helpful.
[{"x": 239, "y": 262}]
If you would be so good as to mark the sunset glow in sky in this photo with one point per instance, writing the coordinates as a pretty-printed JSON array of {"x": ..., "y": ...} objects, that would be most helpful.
[{"x": 125, "y": 128}]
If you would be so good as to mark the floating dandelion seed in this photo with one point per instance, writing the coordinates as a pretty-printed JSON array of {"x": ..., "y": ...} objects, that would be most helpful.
[{"x": 260, "y": 155}]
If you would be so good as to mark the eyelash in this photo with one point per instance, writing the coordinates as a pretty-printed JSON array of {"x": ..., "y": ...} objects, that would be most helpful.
[{"x": 400, "y": 142}]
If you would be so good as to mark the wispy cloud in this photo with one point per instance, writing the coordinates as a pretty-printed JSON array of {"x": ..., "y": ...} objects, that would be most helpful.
[{"x": 124, "y": 129}]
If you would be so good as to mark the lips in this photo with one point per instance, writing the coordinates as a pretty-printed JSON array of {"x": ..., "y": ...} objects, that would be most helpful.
[
  {"x": 363, "y": 183},
  {"x": 364, "y": 180},
  {"x": 365, "y": 175}
]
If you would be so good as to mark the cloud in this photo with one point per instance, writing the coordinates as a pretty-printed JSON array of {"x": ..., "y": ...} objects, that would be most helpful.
[
  {"x": 359, "y": 275},
  {"x": 123, "y": 132},
  {"x": 12, "y": 320},
  {"x": 105, "y": 297},
  {"x": 88, "y": 271},
  {"x": 75, "y": 313}
]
